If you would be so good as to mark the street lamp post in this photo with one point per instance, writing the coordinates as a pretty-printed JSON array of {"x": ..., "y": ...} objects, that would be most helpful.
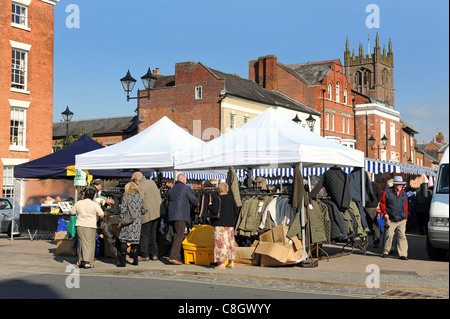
[
  {"x": 311, "y": 121},
  {"x": 128, "y": 83},
  {"x": 297, "y": 120},
  {"x": 384, "y": 141},
  {"x": 67, "y": 116}
]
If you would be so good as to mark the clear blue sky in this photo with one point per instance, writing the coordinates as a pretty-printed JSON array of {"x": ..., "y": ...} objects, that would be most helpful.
[{"x": 114, "y": 36}]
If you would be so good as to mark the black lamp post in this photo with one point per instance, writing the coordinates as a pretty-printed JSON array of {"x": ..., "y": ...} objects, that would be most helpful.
[
  {"x": 296, "y": 119},
  {"x": 311, "y": 122},
  {"x": 67, "y": 116},
  {"x": 384, "y": 141},
  {"x": 128, "y": 83}
]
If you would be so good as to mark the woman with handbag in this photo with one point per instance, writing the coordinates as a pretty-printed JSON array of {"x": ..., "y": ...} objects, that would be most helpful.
[
  {"x": 132, "y": 208},
  {"x": 223, "y": 216}
]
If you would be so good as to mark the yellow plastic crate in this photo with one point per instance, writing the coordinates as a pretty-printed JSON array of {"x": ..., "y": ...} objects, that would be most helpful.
[
  {"x": 203, "y": 257},
  {"x": 198, "y": 245}
]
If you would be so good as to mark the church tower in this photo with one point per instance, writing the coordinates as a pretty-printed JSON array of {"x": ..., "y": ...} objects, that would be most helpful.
[{"x": 371, "y": 74}]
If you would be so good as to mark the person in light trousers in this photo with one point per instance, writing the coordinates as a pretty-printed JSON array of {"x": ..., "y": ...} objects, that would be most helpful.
[
  {"x": 87, "y": 212},
  {"x": 394, "y": 206}
]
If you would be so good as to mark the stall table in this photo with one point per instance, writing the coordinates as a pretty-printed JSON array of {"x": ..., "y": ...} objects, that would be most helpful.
[{"x": 36, "y": 223}]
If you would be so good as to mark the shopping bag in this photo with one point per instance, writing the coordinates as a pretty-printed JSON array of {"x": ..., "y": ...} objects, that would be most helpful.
[{"x": 71, "y": 230}]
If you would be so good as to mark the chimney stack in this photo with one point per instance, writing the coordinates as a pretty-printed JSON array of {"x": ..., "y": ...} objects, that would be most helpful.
[{"x": 440, "y": 138}]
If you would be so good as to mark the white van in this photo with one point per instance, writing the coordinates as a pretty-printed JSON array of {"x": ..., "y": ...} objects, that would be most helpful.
[{"x": 437, "y": 237}]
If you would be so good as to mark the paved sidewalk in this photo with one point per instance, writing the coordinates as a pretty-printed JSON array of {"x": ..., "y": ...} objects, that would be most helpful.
[{"x": 419, "y": 274}]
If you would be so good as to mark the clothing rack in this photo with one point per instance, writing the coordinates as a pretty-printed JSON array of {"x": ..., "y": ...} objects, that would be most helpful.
[
  {"x": 351, "y": 241},
  {"x": 263, "y": 193}
]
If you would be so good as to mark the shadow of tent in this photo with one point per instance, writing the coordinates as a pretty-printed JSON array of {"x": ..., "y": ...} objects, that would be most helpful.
[{"x": 25, "y": 289}]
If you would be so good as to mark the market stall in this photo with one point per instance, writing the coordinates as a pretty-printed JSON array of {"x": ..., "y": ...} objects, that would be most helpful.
[
  {"x": 40, "y": 185},
  {"x": 272, "y": 141}
]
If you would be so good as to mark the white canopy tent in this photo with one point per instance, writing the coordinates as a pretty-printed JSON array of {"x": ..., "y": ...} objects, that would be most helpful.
[
  {"x": 269, "y": 140},
  {"x": 153, "y": 148}
]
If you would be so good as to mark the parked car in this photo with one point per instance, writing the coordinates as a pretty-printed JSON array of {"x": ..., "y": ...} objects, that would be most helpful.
[
  {"x": 6, "y": 216},
  {"x": 437, "y": 237}
]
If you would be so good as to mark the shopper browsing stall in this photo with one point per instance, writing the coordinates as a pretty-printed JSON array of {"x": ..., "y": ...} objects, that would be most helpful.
[
  {"x": 131, "y": 210},
  {"x": 224, "y": 213},
  {"x": 152, "y": 200},
  {"x": 394, "y": 206},
  {"x": 178, "y": 206},
  {"x": 87, "y": 212}
]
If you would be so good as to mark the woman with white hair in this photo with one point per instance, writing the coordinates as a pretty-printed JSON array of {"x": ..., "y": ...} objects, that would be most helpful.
[{"x": 224, "y": 212}]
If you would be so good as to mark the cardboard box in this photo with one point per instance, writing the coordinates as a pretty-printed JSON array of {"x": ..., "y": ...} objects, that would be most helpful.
[
  {"x": 275, "y": 249},
  {"x": 275, "y": 235},
  {"x": 246, "y": 255},
  {"x": 65, "y": 246}
]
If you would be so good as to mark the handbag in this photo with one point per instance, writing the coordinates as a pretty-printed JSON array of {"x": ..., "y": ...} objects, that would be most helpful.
[
  {"x": 216, "y": 217},
  {"x": 130, "y": 216}
]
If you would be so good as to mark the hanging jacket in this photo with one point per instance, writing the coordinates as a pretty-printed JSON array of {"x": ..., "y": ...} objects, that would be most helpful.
[
  {"x": 320, "y": 223},
  {"x": 337, "y": 185}
]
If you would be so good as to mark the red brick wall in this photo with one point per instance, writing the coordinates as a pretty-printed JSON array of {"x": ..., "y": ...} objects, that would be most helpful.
[
  {"x": 39, "y": 80},
  {"x": 179, "y": 104},
  {"x": 269, "y": 74}
]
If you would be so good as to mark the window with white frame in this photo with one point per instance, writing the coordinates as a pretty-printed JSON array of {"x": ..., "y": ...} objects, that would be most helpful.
[
  {"x": 348, "y": 125},
  {"x": 19, "y": 66},
  {"x": 382, "y": 128},
  {"x": 343, "y": 124},
  {"x": 392, "y": 156},
  {"x": 8, "y": 181},
  {"x": 404, "y": 144},
  {"x": 198, "y": 93},
  {"x": 392, "y": 133},
  {"x": 232, "y": 121},
  {"x": 345, "y": 97},
  {"x": 332, "y": 121},
  {"x": 338, "y": 93},
  {"x": 19, "y": 14},
  {"x": 327, "y": 118},
  {"x": 383, "y": 155},
  {"x": 329, "y": 91},
  {"x": 19, "y": 69},
  {"x": 18, "y": 127}
]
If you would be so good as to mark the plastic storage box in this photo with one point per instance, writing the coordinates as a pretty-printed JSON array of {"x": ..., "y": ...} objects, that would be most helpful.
[{"x": 198, "y": 245}]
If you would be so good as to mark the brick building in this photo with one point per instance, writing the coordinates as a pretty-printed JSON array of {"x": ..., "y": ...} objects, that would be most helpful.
[
  {"x": 377, "y": 120},
  {"x": 208, "y": 102},
  {"x": 321, "y": 85},
  {"x": 26, "y": 84}
]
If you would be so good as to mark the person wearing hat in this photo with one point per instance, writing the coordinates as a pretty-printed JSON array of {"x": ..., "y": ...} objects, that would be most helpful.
[
  {"x": 394, "y": 207},
  {"x": 152, "y": 200}
]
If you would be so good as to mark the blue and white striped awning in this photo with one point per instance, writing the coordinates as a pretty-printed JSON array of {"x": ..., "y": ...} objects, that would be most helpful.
[
  {"x": 197, "y": 175},
  {"x": 285, "y": 175},
  {"x": 417, "y": 170},
  {"x": 379, "y": 166}
]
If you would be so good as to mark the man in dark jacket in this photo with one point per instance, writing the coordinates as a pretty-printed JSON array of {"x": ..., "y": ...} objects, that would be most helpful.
[
  {"x": 372, "y": 210},
  {"x": 394, "y": 206},
  {"x": 178, "y": 206}
]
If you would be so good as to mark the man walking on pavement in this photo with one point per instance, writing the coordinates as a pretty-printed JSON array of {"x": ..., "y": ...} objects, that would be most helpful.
[
  {"x": 394, "y": 207},
  {"x": 178, "y": 206},
  {"x": 152, "y": 199}
]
